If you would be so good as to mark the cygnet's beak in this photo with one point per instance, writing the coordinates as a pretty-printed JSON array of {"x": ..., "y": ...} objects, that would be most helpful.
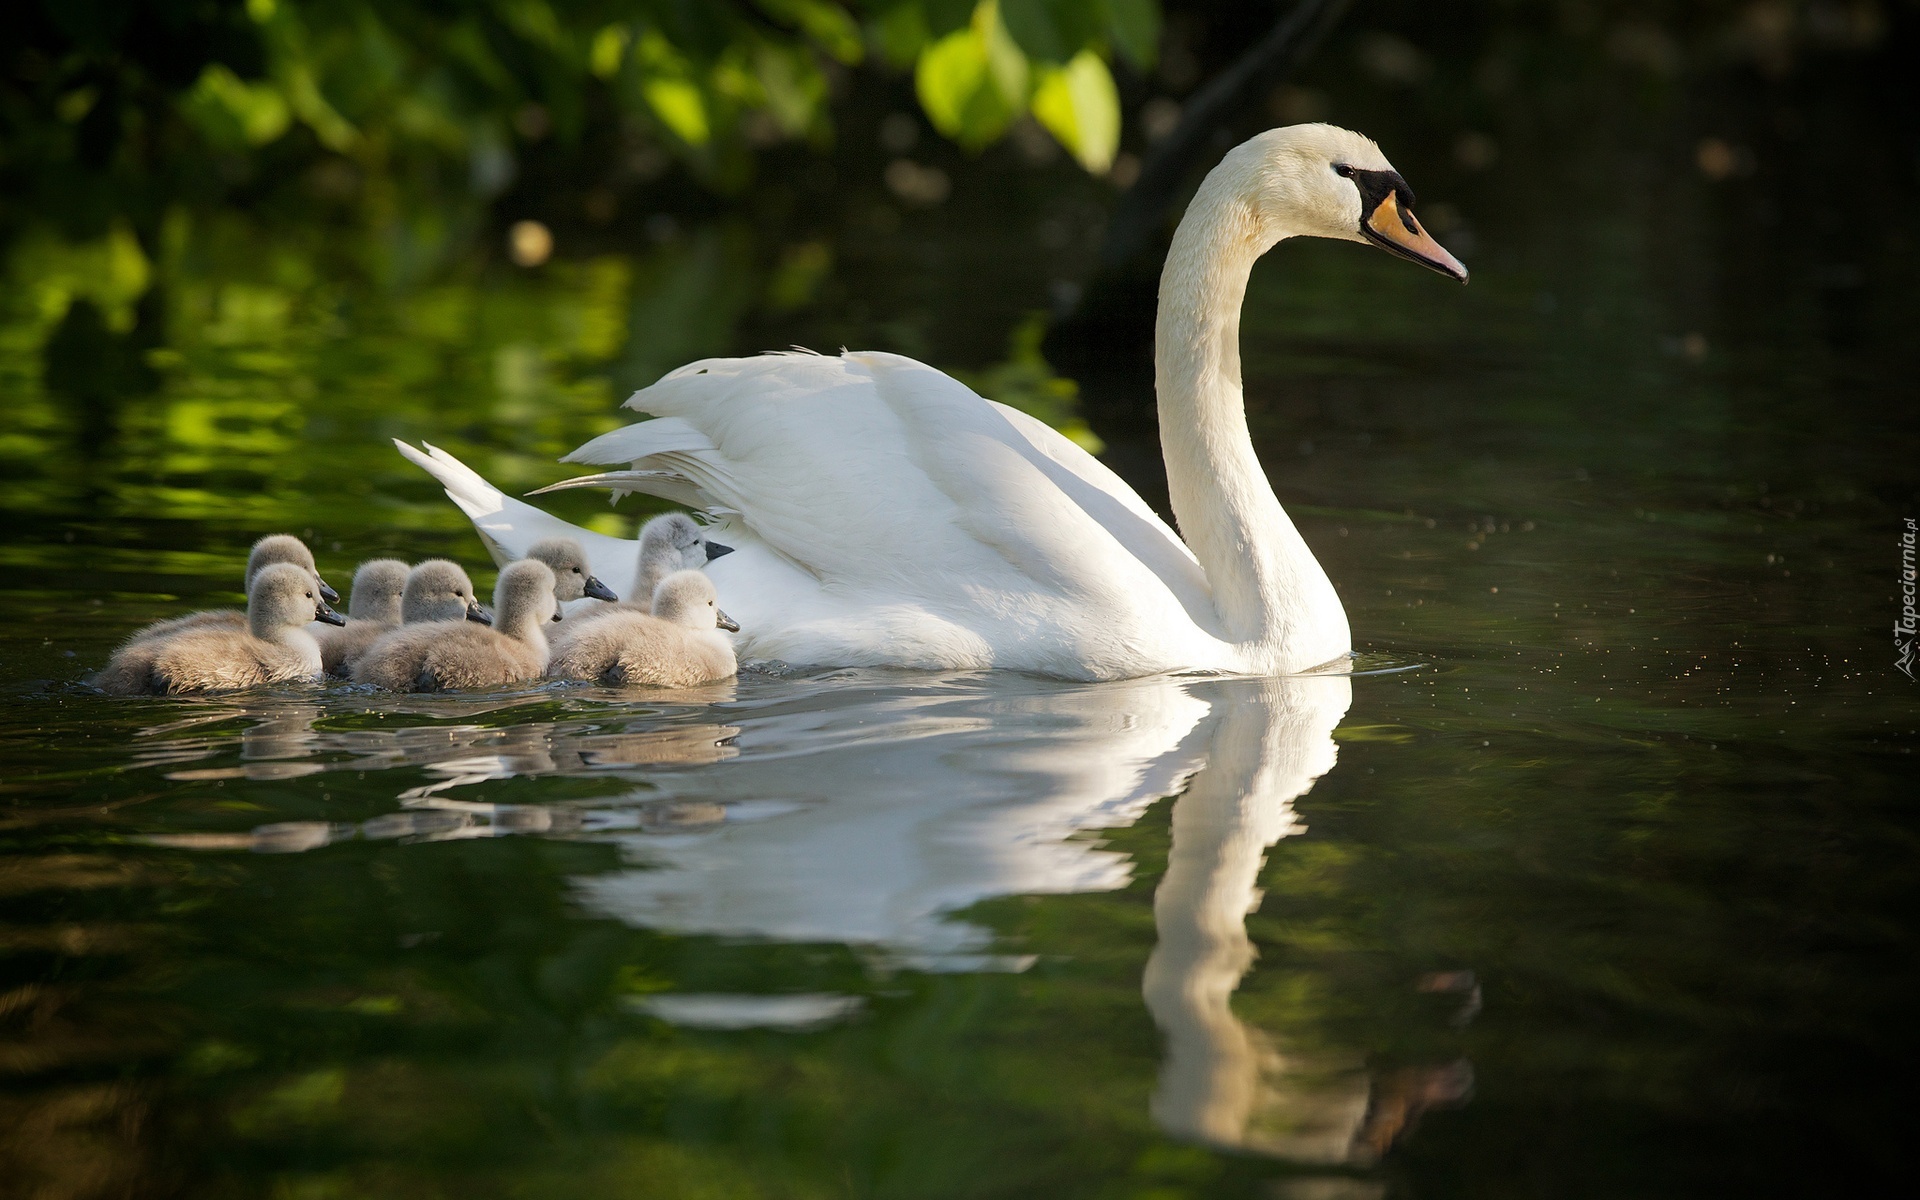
[
  {"x": 725, "y": 622},
  {"x": 597, "y": 591},
  {"x": 716, "y": 550},
  {"x": 1390, "y": 226},
  {"x": 327, "y": 593},
  {"x": 322, "y": 613},
  {"x": 478, "y": 614}
]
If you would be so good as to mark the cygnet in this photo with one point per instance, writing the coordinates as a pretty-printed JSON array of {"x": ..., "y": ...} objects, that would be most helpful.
[
  {"x": 274, "y": 648},
  {"x": 572, "y": 578},
  {"x": 440, "y": 655},
  {"x": 678, "y": 644},
  {"x": 668, "y": 543},
  {"x": 372, "y": 610},
  {"x": 274, "y": 548},
  {"x": 439, "y": 590}
]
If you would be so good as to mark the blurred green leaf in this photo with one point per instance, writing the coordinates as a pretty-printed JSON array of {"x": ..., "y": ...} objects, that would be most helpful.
[
  {"x": 671, "y": 91},
  {"x": 1079, "y": 105},
  {"x": 1134, "y": 26},
  {"x": 973, "y": 83},
  {"x": 231, "y": 112},
  {"x": 1053, "y": 31}
]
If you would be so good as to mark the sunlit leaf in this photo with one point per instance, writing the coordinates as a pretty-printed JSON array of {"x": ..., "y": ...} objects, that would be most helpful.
[
  {"x": 231, "y": 111},
  {"x": 973, "y": 82},
  {"x": 609, "y": 50},
  {"x": 1080, "y": 106},
  {"x": 670, "y": 91}
]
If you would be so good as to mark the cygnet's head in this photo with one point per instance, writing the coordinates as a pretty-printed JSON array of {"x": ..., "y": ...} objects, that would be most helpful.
[
  {"x": 572, "y": 577},
  {"x": 687, "y": 598},
  {"x": 1324, "y": 181},
  {"x": 285, "y": 548},
  {"x": 524, "y": 595},
  {"x": 674, "y": 541},
  {"x": 378, "y": 587},
  {"x": 283, "y": 596},
  {"x": 438, "y": 590}
]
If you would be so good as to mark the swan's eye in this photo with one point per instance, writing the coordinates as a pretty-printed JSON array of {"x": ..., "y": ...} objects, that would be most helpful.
[{"x": 1343, "y": 170}]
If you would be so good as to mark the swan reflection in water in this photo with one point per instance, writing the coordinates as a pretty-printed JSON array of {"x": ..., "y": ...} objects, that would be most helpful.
[{"x": 870, "y": 808}]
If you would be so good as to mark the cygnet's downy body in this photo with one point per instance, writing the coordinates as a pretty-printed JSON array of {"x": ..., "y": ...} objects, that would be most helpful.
[
  {"x": 275, "y": 647},
  {"x": 680, "y": 643},
  {"x": 442, "y": 655},
  {"x": 373, "y": 608},
  {"x": 269, "y": 550}
]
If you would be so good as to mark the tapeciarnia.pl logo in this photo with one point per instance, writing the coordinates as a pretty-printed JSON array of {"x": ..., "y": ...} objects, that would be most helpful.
[{"x": 1908, "y": 624}]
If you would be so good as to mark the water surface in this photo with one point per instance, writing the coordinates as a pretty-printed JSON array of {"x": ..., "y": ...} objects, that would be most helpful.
[{"x": 1606, "y": 895}]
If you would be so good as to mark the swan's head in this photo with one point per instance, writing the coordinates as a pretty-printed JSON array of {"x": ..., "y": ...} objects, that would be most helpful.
[
  {"x": 687, "y": 598},
  {"x": 285, "y": 548},
  {"x": 524, "y": 595},
  {"x": 673, "y": 540},
  {"x": 573, "y": 578},
  {"x": 379, "y": 586},
  {"x": 1324, "y": 181},
  {"x": 283, "y": 596},
  {"x": 438, "y": 590}
]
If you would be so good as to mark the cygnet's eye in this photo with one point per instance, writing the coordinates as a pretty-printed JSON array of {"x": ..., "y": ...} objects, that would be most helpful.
[{"x": 576, "y": 570}]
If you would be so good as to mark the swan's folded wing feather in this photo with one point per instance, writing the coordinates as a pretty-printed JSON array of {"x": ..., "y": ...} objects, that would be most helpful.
[{"x": 880, "y": 475}]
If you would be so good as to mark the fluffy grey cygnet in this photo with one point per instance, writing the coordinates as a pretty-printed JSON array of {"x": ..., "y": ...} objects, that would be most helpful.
[
  {"x": 372, "y": 609},
  {"x": 678, "y": 644},
  {"x": 572, "y": 577},
  {"x": 439, "y": 590},
  {"x": 441, "y": 654},
  {"x": 668, "y": 543},
  {"x": 274, "y": 648},
  {"x": 274, "y": 548}
]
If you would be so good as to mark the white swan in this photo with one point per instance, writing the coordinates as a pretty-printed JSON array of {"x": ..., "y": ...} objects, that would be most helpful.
[{"x": 886, "y": 515}]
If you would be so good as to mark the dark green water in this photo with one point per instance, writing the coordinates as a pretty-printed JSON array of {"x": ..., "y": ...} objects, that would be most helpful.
[{"x": 1606, "y": 893}]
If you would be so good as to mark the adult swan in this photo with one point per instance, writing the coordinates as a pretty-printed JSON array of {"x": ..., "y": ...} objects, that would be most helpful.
[{"x": 885, "y": 515}]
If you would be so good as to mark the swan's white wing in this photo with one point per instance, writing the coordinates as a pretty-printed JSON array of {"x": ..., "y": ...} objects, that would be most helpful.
[
  {"x": 509, "y": 528},
  {"x": 883, "y": 477}
]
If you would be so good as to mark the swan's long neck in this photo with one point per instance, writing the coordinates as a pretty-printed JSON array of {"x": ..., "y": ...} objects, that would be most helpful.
[{"x": 1272, "y": 595}]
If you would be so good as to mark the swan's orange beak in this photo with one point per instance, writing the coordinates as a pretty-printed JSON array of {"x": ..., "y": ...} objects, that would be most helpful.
[{"x": 1391, "y": 227}]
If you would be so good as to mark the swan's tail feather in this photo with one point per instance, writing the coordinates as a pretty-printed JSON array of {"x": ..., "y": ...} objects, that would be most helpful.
[{"x": 475, "y": 496}]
